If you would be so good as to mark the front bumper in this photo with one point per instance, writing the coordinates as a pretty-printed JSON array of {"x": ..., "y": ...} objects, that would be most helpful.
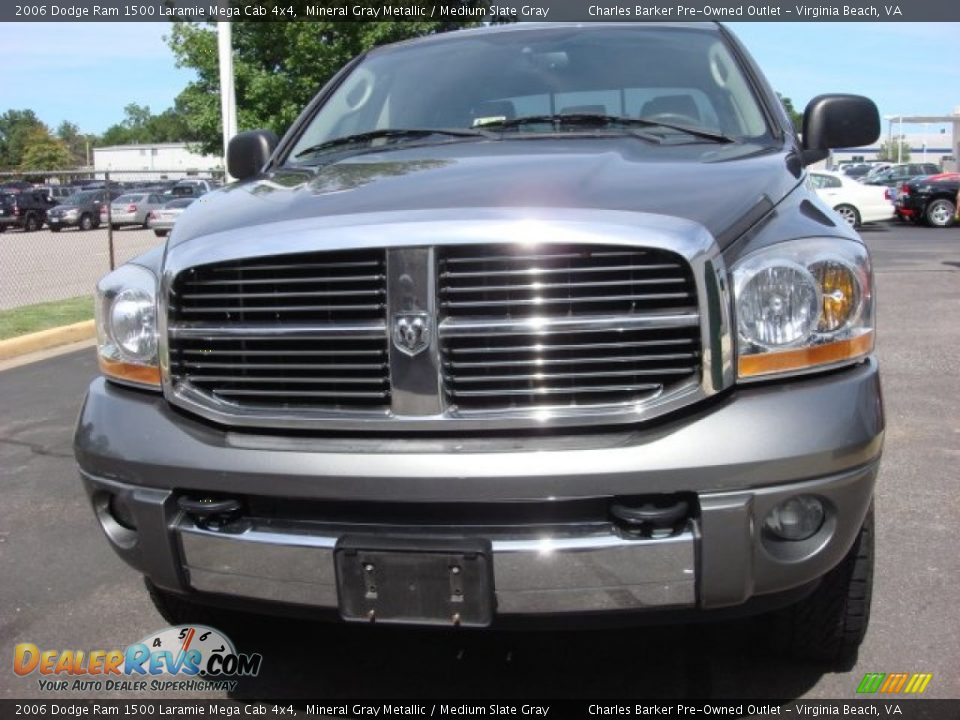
[
  {"x": 63, "y": 221},
  {"x": 737, "y": 457}
]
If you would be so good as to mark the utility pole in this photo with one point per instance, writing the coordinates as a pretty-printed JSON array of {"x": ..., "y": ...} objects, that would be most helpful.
[{"x": 228, "y": 97}]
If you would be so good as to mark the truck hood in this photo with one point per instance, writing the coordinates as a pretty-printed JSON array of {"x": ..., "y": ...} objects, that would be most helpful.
[{"x": 725, "y": 188}]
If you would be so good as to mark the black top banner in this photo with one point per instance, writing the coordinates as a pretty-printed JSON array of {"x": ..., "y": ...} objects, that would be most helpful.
[{"x": 481, "y": 10}]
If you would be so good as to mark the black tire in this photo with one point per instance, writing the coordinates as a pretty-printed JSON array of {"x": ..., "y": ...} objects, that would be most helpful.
[
  {"x": 31, "y": 224},
  {"x": 160, "y": 233},
  {"x": 55, "y": 229},
  {"x": 940, "y": 213},
  {"x": 849, "y": 213},
  {"x": 114, "y": 227},
  {"x": 830, "y": 623},
  {"x": 86, "y": 222}
]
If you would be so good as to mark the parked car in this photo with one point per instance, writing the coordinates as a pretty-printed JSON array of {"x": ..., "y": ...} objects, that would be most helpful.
[
  {"x": 162, "y": 219},
  {"x": 854, "y": 202},
  {"x": 26, "y": 209},
  {"x": 930, "y": 200},
  {"x": 80, "y": 210},
  {"x": 897, "y": 174},
  {"x": 555, "y": 334},
  {"x": 855, "y": 171},
  {"x": 192, "y": 188},
  {"x": 131, "y": 209},
  {"x": 59, "y": 193}
]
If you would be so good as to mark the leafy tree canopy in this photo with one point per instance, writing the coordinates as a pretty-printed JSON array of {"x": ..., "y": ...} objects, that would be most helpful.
[
  {"x": 42, "y": 151},
  {"x": 888, "y": 151},
  {"x": 15, "y": 128}
]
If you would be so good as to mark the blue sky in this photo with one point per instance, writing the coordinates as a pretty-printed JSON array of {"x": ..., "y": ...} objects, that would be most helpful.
[{"x": 86, "y": 72}]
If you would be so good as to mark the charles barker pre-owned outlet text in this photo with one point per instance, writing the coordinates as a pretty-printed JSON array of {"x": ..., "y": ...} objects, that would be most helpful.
[{"x": 766, "y": 11}]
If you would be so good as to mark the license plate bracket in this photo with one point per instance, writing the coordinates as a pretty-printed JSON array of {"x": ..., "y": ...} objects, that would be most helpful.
[{"x": 414, "y": 581}]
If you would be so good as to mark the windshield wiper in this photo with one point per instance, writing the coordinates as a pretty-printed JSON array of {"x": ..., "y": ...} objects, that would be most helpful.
[
  {"x": 594, "y": 119},
  {"x": 391, "y": 134}
]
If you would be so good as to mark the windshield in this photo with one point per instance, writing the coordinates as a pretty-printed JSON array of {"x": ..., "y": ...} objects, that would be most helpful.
[
  {"x": 680, "y": 76},
  {"x": 79, "y": 198},
  {"x": 175, "y": 204}
]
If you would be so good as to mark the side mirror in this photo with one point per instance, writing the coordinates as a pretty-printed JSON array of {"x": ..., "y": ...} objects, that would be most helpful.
[
  {"x": 249, "y": 151},
  {"x": 838, "y": 121}
]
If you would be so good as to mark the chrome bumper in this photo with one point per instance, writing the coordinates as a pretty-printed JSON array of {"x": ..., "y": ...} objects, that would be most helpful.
[{"x": 532, "y": 574}]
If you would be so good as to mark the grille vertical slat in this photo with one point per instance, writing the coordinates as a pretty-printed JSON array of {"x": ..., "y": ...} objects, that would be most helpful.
[
  {"x": 607, "y": 325},
  {"x": 297, "y": 331}
]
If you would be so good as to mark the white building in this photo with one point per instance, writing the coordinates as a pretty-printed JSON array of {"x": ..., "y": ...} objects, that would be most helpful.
[{"x": 158, "y": 161}]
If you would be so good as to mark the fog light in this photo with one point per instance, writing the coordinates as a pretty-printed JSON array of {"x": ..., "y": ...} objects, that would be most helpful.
[
  {"x": 796, "y": 518},
  {"x": 121, "y": 513}
]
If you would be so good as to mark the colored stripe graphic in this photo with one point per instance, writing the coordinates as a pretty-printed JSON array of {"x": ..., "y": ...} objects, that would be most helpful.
[
  {"x": 871, "y": 682},
  {"x": 893, "y": 683},
  {"x": 918, "y": 683}
]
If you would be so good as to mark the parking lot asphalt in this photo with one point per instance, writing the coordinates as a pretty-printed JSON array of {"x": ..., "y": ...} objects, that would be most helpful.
[
  {"x": 41, "y": 266},
  {"x": 62, "y": 586}
]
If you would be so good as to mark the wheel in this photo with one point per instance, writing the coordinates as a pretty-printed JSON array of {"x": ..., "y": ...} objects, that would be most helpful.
[
  {"x": 940, "y": 213},
  {"x": 829, "y": 624},
  {"x": 160, "y": 233},
  {"x": 55, "y": 229},
  {"x": 114, "y": 227},
  {"x": 86, "y": 222},
  {"x": 850, "y": 215},
  {"x": 31, "y": 224}
]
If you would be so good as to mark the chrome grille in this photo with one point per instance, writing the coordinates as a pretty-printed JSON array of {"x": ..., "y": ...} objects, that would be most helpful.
[
  {"x": 564, "y": 325},
  {"x": 291, "y": 331}
]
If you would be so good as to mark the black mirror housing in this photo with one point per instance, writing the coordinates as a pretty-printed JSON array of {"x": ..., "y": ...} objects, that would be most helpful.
[
  {"x": 838, "y": 121},
  {"x": 249, "y": 151}
]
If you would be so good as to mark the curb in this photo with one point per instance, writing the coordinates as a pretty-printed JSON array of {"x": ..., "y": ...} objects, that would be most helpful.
[{"x": 34, "y": 342}]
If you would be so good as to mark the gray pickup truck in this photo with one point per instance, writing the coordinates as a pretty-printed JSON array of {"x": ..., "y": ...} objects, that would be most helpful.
[{"x": 513, "y": 324}]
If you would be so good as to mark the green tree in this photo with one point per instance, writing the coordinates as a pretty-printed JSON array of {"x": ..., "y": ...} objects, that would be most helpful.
[
  {"x": 77, "y": 143},
  {"x": 888, "y": 151},
  {"x": 796, "y": 118},
  {"x": 15, "y": 127},
  {"x": 42, "y": 151},
  {"x": 140, "y": 125},
  {"x": 278, "y": 67}
]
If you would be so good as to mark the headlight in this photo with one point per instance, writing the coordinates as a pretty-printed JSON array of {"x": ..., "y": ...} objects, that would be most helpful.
[
  {"x": 802, "y": 305},
  {"x": 126, "y": 315}
]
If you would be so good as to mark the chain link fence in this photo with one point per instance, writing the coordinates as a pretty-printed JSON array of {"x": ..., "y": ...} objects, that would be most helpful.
[{"x": 47, "y": 256}]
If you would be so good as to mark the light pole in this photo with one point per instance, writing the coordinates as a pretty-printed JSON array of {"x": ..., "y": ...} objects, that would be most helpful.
[
  {"x": 228, "y": 97},
  {"x": 900, "y": 139}
]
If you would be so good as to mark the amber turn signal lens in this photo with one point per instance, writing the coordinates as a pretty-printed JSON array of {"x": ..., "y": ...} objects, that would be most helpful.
[
  {"x": 840, "y": 291},
  {"x": 140, "y": 374},
  {"x": 801, "y": 358}
]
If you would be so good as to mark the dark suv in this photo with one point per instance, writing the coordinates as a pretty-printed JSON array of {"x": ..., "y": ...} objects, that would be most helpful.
[
  {"x": 25, "y": 209},
  {"x": 81, "y": 210},
  {"x": 896, "y": 174},
  {"x": 562, "y": 332}
]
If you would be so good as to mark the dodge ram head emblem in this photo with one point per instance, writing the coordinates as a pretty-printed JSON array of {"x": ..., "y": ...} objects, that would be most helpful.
[{"x": 411, "y": 332}]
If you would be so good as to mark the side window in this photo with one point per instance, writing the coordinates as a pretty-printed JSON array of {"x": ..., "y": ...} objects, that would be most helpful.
[
  {"x": 831, "y": 182},
  {"x": 816, "y": 181}
]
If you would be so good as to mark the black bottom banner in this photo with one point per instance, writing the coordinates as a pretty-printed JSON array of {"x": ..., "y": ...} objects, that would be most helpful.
[{"x": 897, "y": 709}]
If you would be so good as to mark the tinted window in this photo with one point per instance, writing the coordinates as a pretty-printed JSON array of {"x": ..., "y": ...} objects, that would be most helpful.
[{"x": 182, "y": 203}]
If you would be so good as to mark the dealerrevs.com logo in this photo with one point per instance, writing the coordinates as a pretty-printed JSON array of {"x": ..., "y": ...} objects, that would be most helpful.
[{"x": 171, "y": 659}]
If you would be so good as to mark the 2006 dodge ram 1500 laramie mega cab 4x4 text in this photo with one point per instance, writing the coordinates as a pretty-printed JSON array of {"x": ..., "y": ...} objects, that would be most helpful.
[{"x": 516, "y": 322}]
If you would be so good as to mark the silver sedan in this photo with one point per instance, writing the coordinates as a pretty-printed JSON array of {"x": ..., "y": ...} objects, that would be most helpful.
[
  {"x": 162, "y": 219},
  {"x": 132, "y": 209}
]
